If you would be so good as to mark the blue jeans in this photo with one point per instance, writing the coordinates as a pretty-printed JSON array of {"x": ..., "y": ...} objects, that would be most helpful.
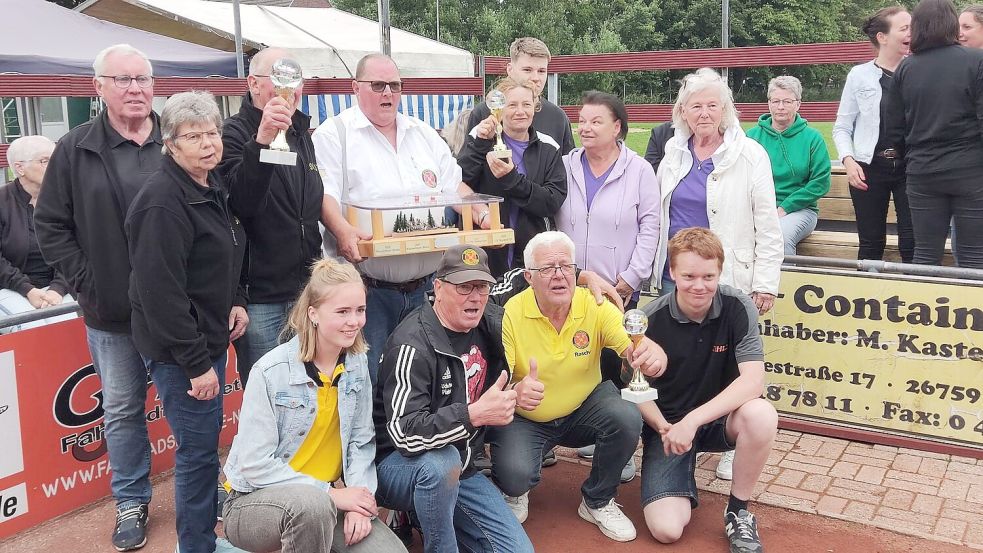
[
  {"x": 384, "y": 309},
  {"x": 470, "y": 513},
  {"x": 603, "y": 419},
  {"x": 796, "y": 226},
  {"x": 266, "y": 322},
  {"x": 196, "y": 425},
  {"x": 123, "y": 376}
]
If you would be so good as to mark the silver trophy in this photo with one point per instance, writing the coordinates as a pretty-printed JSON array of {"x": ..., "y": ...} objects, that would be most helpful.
[
  {"x": 496, "y": 103},
  {"x": 286, "y": 75},
  {"x": 638, "y": 390}
]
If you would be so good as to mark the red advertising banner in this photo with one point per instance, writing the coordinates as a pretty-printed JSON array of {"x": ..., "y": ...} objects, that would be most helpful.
[{"x": 52, "y": 454}]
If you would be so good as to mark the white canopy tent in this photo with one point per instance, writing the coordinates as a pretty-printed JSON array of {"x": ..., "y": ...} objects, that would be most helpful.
[{"x": 327, "y": 42}]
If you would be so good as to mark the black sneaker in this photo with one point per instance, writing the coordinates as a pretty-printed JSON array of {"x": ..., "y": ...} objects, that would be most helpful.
[
  {"x": 220, "y": 496},
  {"x": 549, "y": 458},
  {"x": 482, "y": 463},
  {"x": 131, "y": 528},
  {"x": 742, "y": 532},
  {"x": 400, "y": 524}
]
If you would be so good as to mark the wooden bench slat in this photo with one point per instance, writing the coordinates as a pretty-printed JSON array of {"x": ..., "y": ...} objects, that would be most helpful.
[{"x": 841, "y": 209}]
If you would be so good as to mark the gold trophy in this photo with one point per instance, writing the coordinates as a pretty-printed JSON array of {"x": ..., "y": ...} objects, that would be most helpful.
[
  {"x": 496, "y": 103},
  {"x": 286, "y": 75},
  {"x": 638, "y": 390}
]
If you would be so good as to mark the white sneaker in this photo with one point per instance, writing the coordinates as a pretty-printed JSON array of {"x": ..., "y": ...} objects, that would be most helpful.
[
  {"x": 628, "y": 473},
  {"x": 725, "y": 468},
  {"x": 519, "y": 506},
  {"x": 609, "y": 518},
  {"x": 586, "y": 452}
]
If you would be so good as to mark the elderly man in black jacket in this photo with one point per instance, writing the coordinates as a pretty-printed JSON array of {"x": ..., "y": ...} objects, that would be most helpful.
[{"x": 280, "y": 206}]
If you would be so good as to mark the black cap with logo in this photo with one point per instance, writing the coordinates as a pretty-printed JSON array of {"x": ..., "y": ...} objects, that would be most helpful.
[{"x": 464, "y": 263}]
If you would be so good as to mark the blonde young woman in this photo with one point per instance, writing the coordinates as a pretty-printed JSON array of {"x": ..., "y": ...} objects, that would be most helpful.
[{"x": 305, "y": 426}]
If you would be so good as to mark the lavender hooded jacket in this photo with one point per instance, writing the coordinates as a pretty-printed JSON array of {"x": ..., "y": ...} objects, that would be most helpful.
[{"x": 619, "y": 235}]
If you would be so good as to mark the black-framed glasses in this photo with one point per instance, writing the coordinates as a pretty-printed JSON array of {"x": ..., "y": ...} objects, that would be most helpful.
[
  {"x": 566, "y": 269},
  {"x": 483, "y": 288},
  {"x": 123, "y": 81},
  {"x": 195, "y": 138},
  {"x": 380, "y": 86}
]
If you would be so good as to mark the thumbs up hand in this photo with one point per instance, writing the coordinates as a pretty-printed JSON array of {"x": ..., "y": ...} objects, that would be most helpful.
[
  {"x": 530, "y": 390},
  {"x": 495, "y": 407}
]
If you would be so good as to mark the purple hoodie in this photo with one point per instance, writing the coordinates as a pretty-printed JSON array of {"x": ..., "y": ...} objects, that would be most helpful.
[{"x": 620, "y": 234}]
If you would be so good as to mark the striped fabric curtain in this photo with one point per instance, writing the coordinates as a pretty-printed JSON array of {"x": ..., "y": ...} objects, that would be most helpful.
[{"x": 437, "y": 110}]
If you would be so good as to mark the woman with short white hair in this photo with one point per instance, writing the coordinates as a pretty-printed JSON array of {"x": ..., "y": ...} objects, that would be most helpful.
[
  {"x": 799, "y": 160},
  {"x": 714, "y": 176},
  {"x": 27, "y": 282}
]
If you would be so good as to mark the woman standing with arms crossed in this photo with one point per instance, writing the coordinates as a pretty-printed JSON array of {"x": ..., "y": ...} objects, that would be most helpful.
[{"x": 875, "y": 166}]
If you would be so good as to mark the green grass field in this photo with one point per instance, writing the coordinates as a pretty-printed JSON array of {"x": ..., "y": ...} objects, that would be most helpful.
[{"x": 638, "y": 139}]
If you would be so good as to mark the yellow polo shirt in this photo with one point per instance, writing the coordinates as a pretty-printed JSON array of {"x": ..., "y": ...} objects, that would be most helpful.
[
  {"x": 320, "y": 454},
  {"x": 569, "y": 360}
]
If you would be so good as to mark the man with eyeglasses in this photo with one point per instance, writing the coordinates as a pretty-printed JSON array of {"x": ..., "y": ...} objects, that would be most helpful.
[
  {"x": 94, "y": 173},
  {"x": 553, "y": 334},
  {"x": 442, "y": 381},
  {"x": 372, "y": 151},
  {"x": 279, "y": 206}
]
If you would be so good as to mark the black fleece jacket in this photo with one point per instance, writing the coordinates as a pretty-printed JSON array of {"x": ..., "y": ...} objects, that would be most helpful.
[
  {"x": 16, "y": 216},
  {"x": 279, "y": 206},
  {"x": 538, "y": 194},
  {"x": 183, "y": 244}
]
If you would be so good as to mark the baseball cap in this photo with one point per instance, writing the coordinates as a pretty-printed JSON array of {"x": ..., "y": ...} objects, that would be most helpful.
[{"x": 464, "y": 263}]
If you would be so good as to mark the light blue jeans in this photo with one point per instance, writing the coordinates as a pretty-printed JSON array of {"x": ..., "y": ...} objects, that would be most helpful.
[
  {"x": 470, "y": 513},
  {"x": 266, "y": 322},
  {"x": 796, "y": 226},
  {"x": 124, "y": 396}
]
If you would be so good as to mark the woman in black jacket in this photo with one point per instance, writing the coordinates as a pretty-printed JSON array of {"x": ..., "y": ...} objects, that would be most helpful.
[
  {"x": 183, "y": 244},
  {"x": 939, "y": 127},
  {"x": 27, "y": 282},
  {"x": 533, "y": 182}
]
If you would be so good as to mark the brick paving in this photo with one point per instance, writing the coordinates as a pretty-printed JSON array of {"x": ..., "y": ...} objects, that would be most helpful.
[{"x": 918, "y": 493}]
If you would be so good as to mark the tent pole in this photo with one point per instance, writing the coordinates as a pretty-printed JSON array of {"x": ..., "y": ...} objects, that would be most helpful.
[
  {"x": 385, "y": 44},
  {"x": 240, "y": 69}
]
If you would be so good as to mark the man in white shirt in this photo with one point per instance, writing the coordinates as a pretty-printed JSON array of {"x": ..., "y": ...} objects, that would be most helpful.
[{"x": 387, "y": 155}]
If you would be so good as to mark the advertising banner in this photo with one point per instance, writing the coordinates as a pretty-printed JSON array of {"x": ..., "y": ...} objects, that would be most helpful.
[
  {"x": 879, "y": 352},
  {"x": 53, "y": 458}
]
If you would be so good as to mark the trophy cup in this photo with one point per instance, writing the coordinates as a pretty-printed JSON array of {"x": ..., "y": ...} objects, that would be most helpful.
[
  {"x": 496, "y": 103},
  {"x": 638, "y": 390},
  {"x": 286, "y": 75}
]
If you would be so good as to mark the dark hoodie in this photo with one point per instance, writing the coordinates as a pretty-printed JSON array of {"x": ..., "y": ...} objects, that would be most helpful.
[{"x": 799, "y": 162}]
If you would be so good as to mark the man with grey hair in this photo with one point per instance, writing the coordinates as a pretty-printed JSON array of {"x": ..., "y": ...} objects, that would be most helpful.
[
  {"x": 280, "y": 206},
  {"x": 553, "y": 335},
  {"x": 387, "y": 154},
  {"x": 94, "y": 173}
]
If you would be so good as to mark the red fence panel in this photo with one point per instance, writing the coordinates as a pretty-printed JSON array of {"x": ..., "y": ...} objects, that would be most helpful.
[{"x": 652, "y": 113}]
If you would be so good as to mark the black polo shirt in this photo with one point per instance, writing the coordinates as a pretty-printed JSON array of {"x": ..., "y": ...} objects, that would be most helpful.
[{"x": 703, "y": 356}]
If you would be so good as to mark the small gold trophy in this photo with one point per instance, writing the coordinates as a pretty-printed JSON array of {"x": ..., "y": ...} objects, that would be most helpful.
[
  {"x": 286, "y": 75},
  {"x": 496, "y": 103},
  {"x": 638, "y": 390}
]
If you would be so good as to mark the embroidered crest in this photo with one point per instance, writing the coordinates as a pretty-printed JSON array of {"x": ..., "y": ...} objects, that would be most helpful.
[
  {"x": 581, "y": 339},
  {"x": 429, "y": 178},
  {"x": 470, "y": 257}
]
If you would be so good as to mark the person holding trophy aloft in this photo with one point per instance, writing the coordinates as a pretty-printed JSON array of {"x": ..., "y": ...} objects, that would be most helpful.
[
  {"x": 505, "y": 156},
  {"x": 279, "y": 204},
  {"x": 553, "y": 334}
]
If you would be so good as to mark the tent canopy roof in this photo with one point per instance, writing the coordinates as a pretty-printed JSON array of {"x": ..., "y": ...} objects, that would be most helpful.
[
  {"x": 43, "y": 38},
  {"x": 326, "y": 41}
]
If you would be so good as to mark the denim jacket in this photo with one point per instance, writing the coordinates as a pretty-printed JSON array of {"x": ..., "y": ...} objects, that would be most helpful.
[
  {"x": 858, "y": 119},
  {"x": 278, "y": 410}
]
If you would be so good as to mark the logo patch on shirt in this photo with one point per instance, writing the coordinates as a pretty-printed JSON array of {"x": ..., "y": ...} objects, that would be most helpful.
[
  {"x": 581, "y": 339},
  {"x": 446, "y": 375},
  {"x": 470, "y": 257},
  {"x": 429, "y": 178},
  {"x": 719, "y": 348}
]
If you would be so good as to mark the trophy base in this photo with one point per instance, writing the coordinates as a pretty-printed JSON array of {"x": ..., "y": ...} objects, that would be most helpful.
[
  {"x": 639, "y": 397},
  {"x": 277, "y": 157},
  {"x": 503, "y": 154}
]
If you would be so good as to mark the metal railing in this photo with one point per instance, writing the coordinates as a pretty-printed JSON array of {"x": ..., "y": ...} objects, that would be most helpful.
[
  {"x": 872, "y": 266},
  {"x": 38, "y": 314}
]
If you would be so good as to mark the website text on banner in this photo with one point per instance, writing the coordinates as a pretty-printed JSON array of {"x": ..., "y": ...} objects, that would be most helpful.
[
  {"x": 894, "y": 354},
  {"x": 53, "y": 458}
]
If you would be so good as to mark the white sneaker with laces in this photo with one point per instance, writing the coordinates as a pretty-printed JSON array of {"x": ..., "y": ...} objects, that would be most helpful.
[
  {"x": 725, "y": 468},
  {"x": 609, "y": 518},
  {"x": 519, "y": 506}
]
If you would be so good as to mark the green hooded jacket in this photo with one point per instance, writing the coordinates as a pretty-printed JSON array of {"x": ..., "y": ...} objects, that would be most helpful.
[{"x": 799, "y": 162}]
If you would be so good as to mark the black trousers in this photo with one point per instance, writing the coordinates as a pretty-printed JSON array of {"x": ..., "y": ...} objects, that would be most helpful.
[
  {"x": 936, "y": 199},
  {"x": 885, "y": 178}
]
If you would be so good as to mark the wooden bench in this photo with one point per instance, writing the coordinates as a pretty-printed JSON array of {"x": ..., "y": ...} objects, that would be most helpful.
[{"x": 836, "y": 233}]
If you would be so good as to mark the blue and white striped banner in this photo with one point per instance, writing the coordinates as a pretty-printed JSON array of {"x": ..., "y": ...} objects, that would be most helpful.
[{"x": 437, "y": 110}]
